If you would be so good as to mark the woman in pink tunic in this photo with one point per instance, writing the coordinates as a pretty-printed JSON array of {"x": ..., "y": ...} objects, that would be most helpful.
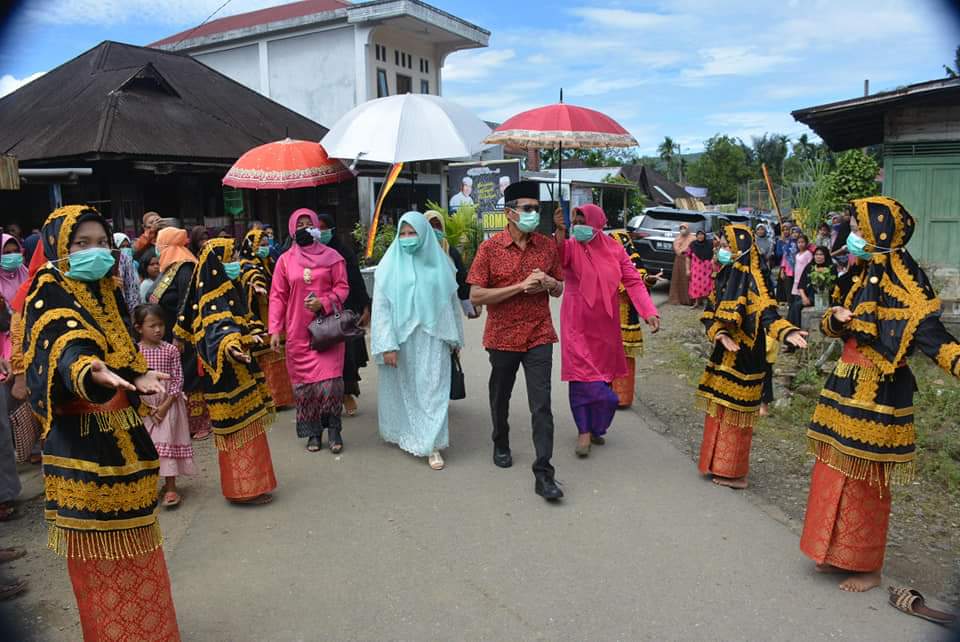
[
  {"x": 594, "y": 266},
  {"x": 310, "y": 278}
]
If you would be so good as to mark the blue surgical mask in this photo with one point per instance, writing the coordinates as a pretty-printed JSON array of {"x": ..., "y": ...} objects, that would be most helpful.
[
  {"x": 128, "y": 251},
  {"x": 725, "y": 256},
  {"x": 409, "y": 244},
  {"x": 325, "y": 236},
  {"x": 857, "y": 245},
  {"x": 440, "y": 235},
  {"x": 232, "y": 269},
  {"x": 529, "y": 222},
  {"x": 263, "y": 251},
  {"x": 90, "y": 265},
  {"x": 11, "y": 262},
  {"x": 583, "y": 233}
]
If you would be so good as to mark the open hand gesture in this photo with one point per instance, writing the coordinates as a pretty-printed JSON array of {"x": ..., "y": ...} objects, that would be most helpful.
[
  {"x": 151, "y": 383},
  {"x": 104, "y": 376},
  {"x": 728, "y": 343},
  {"x": 842, "y": 314},
  {"x": 797, "y": 339}
]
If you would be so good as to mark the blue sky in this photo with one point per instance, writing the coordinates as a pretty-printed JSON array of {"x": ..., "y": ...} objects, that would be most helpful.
[{"x": 683, "y": 68}]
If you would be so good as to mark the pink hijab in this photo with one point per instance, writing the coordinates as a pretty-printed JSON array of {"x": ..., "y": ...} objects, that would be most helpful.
[
  {"x": 597, "y": 262},
  {"x": 10, "y": 281},
  {"x": 315, "y": 255}
]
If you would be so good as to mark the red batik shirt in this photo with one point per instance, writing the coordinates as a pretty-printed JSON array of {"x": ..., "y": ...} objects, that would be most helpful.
[{"x": 522, "y": 322}]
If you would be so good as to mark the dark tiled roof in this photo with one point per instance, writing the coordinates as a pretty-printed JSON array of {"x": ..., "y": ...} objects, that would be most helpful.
[
  {"x": 656, "y": 187},
  {"x": 122, "y": 101}
]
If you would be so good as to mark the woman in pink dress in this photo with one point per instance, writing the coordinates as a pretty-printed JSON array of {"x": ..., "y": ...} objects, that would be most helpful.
[
  {"x": 700, "y": 254},
  {"x": 310, "y": 278},
  {"x": 594, "y": 266}
]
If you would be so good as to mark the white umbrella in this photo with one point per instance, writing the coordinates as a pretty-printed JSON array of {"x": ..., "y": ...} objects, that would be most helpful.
[{"x": 407, "y": 128}]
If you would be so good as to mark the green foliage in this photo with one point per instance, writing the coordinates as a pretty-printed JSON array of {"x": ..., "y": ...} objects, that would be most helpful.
[
  {"x": 822, "y": 279},
  {"x": 955, "y": 70},
  {"x": 383, "y": 240},
  {"x": 771, "y": 150},
  {"x": 721, "y": 168},
  {"x": 635, "y": 201},
  {"x": 855, "y": 176},
  {"x": 811, "y": 194},
  {"x": 462, "y": 229}
]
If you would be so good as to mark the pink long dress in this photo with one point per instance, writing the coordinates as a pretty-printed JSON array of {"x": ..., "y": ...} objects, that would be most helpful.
[
  {"x": 591, "y": 345},
  {"x": 288, "y": 315}
]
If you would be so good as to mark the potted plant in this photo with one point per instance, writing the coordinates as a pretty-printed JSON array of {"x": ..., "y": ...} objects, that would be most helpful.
[{"x": 822, "y": 280}]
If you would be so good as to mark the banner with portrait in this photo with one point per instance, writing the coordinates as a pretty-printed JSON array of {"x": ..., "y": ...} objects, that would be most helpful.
[{"x": 481, "y": 184}]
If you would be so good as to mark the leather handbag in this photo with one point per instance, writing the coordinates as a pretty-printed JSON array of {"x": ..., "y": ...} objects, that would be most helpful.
[
  {"x": 458, "y": 386},
  {"x": 332, "y": 329}
]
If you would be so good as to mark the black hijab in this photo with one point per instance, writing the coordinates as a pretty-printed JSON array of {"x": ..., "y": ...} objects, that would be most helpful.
[{"x": 702, "y": 249}]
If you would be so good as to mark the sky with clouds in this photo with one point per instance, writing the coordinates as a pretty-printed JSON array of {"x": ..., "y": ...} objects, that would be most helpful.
[{"x": 683, "y": 68}]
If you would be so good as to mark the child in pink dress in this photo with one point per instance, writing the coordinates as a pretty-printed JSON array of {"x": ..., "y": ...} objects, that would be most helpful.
[{"x": 168, "y": 422}]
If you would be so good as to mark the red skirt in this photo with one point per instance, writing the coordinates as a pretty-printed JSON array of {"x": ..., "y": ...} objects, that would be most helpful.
[
  {"x": 247, "y": 472},
  {"x": 725, "y": 451},
  {"x": 624, "y": 386},
  {"x": 278, "y": 379},
  {"x": 124, "y": 600},
  {"x": 846, "y": 521}
]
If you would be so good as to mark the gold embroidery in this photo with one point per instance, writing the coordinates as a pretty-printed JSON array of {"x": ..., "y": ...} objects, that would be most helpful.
[
  {"x": 948, "y": 358},
  {"x": 97, "y": 469},
  {"x": 105, "y": 544},
  {"x": 732, "y": 389},
  {"x": 864, "y": 430},
  {"x": 891, "y": 469},
  {"x": 102, "y": 498},
  {"x": 867, "y": 405},
  {"x": 733, "y": 414}
]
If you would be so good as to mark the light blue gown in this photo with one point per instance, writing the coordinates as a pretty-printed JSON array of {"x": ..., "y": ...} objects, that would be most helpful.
[{"x": 416, "y": 313}]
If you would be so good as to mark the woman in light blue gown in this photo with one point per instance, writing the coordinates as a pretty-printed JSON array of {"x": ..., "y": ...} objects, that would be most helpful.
[{"x": 415, "y": 326}]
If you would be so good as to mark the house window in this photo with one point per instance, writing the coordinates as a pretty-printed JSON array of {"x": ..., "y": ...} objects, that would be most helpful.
[
  {"x": 381, "y": 53},
  {"x": 424, "y": 86},
  {"x": 404, "y": 84},
  {"x": 424, "y": 66},
  {"x": 396, "y": 57},
  {"x": 409, "y": 62},
  {"x": 383, "y": 89}
]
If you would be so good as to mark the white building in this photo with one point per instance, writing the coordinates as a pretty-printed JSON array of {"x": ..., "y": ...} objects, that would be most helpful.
[{"x": 321, "y": 58}]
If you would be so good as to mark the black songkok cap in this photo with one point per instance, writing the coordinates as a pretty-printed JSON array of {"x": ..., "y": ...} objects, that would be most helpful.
[{"x": 522, "y": 189}]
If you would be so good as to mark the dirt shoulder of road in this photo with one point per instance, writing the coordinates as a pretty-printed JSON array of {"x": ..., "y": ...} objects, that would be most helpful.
[{"x": 923, "y": 547}]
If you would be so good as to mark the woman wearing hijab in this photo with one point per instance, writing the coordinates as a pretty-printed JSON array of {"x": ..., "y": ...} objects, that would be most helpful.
[
  {"x": 631, "y": 329},
  {"x": 127, "y": 271},
  {"x": 594, "y": 267},
  {"x": 739, "y": 316},
  {"x": 12, "y": 275},
  {"x": 862, "y": 430},
  {"x": 355, "y": 351},
  {"x": 680, "y": 276},
  {"x": 765, "y": 244},
  {"x": 700, "y": 255},
  {"x": 310, "y": 279},
  {"x": 416, "y": 325},
  {"x": 177, "y": 264},
  {"x": 216, "y": 322},
  {"x": 100, "y": 467},
  {"x": 256, "y": 274},
  {"x": 439, "y": 224}
]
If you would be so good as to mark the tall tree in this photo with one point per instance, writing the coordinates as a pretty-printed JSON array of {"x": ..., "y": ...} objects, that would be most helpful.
[
  {"x": 955, "y": 71},
  {"x": 855, "y": 176},
  {"x": 771, "y": 150},
  {"x": 667, "y": 149},
  {"x": 721, "y": 168}
]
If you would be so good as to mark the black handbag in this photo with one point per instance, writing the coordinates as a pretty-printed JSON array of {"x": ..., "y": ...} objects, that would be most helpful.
[
  {"x": 327, "y": 331},
  {"x": 458, "y": 387}
]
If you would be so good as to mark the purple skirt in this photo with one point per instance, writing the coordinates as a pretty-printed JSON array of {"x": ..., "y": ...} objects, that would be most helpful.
[{"x": 593, "y": 403}]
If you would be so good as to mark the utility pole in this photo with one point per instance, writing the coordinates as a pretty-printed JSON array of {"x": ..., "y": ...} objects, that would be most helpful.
[{"x": 680, "y": 162}]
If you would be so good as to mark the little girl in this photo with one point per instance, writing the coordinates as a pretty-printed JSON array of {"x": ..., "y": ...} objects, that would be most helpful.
[{"x": 168, "y": 422}]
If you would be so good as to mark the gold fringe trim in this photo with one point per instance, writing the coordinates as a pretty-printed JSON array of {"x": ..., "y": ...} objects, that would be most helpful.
[
  {"x": 860, "y": 373},
  {"x": 881, "y": 473},
  {"x": 110, "y": 421},
  {"x": 731, "y": 417},
  {"x": 240, "y": 438},
  {"x": 104, "y": 545}
]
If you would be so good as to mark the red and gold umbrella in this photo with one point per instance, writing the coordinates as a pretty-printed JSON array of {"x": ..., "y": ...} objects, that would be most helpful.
[{"x": 286, "y": 164}]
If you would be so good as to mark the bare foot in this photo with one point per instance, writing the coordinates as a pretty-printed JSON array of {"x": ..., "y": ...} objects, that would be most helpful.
[
  {"x": 738, "y": 483},
  {"x": 764, "y": 410},
  {"x": 861, "y": 582},
  {"x": 829, "y": 569}
]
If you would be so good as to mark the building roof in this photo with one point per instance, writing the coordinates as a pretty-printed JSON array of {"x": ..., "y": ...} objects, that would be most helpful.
[
  {"x": 122, "y": 101},
  {"x": 414, "y": 16},
  {"x": 255, "y": 18},
  {"x": 859, "y": 122},
  {"x": 658, "y": 188}
]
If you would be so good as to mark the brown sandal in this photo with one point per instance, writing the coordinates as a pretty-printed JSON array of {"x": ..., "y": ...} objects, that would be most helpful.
[
  {"x": 10, "y": 554},
  {"x": 911, "y": 602}
]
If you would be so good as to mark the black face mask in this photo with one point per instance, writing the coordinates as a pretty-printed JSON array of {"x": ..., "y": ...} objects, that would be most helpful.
[{"x": 303, "y": 238}]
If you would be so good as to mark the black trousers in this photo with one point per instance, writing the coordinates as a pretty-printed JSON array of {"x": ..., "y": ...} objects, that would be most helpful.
[{"x": 537, "y": 366}]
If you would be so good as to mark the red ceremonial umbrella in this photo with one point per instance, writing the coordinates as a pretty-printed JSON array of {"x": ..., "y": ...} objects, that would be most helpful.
[
  {"x": 558, "y": 126},
  {"x": 286, "y": 164}
]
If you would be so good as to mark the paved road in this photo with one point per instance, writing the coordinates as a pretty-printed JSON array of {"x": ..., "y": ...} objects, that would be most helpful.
[{"x": 373, "y": 545}]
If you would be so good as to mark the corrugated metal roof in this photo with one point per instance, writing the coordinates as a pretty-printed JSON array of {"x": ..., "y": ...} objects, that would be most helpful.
[{"x": 119, "y": 100}]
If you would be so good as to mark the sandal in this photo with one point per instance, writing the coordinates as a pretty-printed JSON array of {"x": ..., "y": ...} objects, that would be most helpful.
[
  {"x": 201, "y": 436},
  {"x": 435, "y": 460},
  {"x": 12, "y": 590},
  {"x": 10, "y": 554},
  {"x": 350, "y": 406},
  {"x": 313, "y": 444},
  {"x": 911, "y": 602},
  {"x": 598, "y": 440},
  {"x": 582, "y": 451},
  {"x": 336, "y": 441},
  {"x": 171, "y": 499}
]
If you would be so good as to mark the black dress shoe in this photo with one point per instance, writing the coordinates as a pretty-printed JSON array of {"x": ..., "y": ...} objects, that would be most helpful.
[
  {"x": 548, "y": 489},
  {"x": 502, "y": 458}
]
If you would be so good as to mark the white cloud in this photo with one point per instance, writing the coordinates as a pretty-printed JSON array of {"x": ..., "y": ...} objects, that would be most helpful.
[
  {"x": 9, "y": 84},
  {"x": 734, "y": 60},
  {"x": 622, "y": 18},
  {"x": 604, "y": 83},
  {"x": 744, "y": 124},
  {"x": 111, "y": 12},
  {"x": 475, "y": 64}
]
